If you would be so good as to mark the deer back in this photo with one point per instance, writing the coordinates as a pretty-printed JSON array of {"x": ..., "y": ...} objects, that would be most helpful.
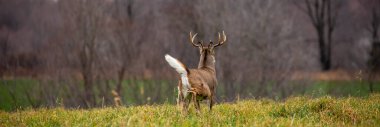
[{"x": 203, "y": 80}]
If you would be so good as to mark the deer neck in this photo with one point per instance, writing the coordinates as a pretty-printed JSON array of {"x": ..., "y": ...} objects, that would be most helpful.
[
  {"x": 201, "y": 61},
  {"x": 207, "y": 61}
]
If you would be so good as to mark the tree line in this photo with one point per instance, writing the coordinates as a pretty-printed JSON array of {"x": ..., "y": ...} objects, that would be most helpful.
[{"x": 89, "y": 42}]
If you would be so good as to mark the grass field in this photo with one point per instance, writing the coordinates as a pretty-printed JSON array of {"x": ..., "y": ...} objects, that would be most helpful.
[
  {"x": 23, "y": 93},
  {"x": 294, "y": 111}
]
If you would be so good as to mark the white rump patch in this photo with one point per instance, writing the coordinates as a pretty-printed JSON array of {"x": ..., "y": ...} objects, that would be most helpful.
[
  {"x": 186, "y": 85},
  {"x": 180, "y": 68}
]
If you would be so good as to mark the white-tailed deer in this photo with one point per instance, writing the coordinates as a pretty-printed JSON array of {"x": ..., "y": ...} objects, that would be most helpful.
[{"x": 197, "y": 84}]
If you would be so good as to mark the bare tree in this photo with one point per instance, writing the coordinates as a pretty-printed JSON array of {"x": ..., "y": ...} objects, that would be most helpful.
[
  {"x": 373, "y": 27},
  {"x": 11, "y": 15},
  {"x": 83, "y": 25},
  {"x": 4, "y": 49},
  {"x": 323, "y": 15},
  {"x": 123, "y": 30}
]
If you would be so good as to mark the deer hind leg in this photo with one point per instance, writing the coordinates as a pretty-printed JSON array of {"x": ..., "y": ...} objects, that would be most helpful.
[
  {"x": 185, "y": 104},
  {"x": 197, "y": 106},
  {"x": 180, "y": 98},
  {"x": 211, "y": 102},
  {"x": 182, "y": 101},
  {"x": 194, "y": 99}
]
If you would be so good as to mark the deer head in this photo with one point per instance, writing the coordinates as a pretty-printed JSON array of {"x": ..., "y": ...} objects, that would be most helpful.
[{"x": 207, "y": 52}]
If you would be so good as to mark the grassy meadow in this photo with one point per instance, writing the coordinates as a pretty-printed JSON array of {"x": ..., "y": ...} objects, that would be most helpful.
[
  {"x": 18, "y": 94},
  {"x": 24, "y": 102},
  {"x": 294, "y": 111}
]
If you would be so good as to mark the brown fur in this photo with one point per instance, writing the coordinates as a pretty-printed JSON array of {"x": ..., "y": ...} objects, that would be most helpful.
[{"x": 203, "y": 79}]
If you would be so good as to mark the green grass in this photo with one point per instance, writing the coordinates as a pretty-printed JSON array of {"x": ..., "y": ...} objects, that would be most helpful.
[
  {"x": 341, "y": 88},
  {"x": 23, "y": 93},
  {"x": 294, "y": 111},
  {"x": 17, "y": 93}
]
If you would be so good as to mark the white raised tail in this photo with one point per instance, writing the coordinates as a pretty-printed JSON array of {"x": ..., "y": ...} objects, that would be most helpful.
[{"x": 183, "y": 72}]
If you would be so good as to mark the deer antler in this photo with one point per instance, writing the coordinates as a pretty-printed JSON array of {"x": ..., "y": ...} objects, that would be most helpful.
[
  {"x": 221, "y": 40},
  {"x": 192, "y": 37}
]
